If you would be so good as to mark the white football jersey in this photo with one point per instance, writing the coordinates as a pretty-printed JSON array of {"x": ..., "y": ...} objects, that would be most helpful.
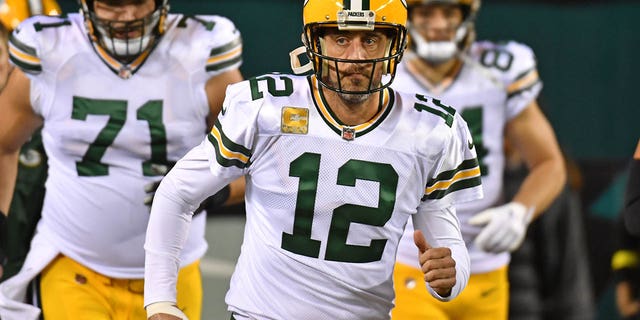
[
  {"x": 327, "y": 203},
  {"x": 103, "y": 132},
  {"x": 495, "y": 83}
]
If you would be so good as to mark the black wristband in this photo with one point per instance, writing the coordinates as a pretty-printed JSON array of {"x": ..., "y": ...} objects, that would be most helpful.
[
  {"x": 3, "y": 237},
  {"x": 215, "y": 201}
]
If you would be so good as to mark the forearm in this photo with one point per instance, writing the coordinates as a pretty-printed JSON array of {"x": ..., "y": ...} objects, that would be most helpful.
[
  {"x": 442, "y": 229},
  {"x": 236, "y": 193},
  {"x": 8, "y": 173},
  {"x": 166, "y": 233},
  {"x": 542, "y": 185},
  {"x": 179, "y": 194}
]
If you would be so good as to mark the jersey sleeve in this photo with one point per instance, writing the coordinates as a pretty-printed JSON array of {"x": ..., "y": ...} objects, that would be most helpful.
[
  {"x": 455, "y": 177},
  {"x": 231, "y": 140},
  {"x": 441, "y": 228},
  {"x": 24, "y": 47},
  {"x": 220, "y": 42},
  {"x": 522, "y": 81},
  {"x": 29, "y": 46}
]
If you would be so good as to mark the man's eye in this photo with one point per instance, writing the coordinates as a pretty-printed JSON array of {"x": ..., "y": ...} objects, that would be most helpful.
[{"x": 341, "y": 41}]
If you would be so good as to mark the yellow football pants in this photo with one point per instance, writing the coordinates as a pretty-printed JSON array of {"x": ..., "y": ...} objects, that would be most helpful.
[
  {"x": 69, "y": 290},
  {"x": 486, "y": 297}
]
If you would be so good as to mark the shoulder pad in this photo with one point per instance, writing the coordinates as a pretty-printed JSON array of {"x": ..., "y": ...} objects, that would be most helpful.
[
  {"x": 213, "y": 40},
  {"x": 33, "y": 37},
  {"x": 512, "y": 62}
]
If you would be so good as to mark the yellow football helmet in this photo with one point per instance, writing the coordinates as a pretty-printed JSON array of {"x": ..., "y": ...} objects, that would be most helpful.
[
  {"x": 357, "y": 15},
  {"x": 103, "y": 32},
  {"x": 445, "y": 50},
  {"x": 12, "y": 12}
]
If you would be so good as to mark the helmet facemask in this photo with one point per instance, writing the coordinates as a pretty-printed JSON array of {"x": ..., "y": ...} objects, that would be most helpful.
[
  {"x": 367, "y": 19},
  {"x": 437, "y": 52},
  {"x": 330, "y": 70},
  {"x": 125, "y": 40}
]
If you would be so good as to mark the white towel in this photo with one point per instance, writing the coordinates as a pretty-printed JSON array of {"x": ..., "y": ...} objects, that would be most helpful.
[{"x": 13, "y": 291}]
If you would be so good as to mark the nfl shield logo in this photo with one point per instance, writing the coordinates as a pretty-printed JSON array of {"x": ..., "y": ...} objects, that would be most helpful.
[{"x": 348, "y": 133}]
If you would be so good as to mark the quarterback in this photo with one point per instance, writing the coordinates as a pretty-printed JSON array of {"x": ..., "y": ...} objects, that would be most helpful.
[
  {"x": 120, "y": 90},
  {"x": 336, "y": 163},
  {"x": 494, "y": 87}
]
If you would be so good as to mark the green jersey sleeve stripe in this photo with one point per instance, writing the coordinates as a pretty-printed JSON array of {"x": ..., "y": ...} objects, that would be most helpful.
[
  {"x": 26, "y": 67},
  {"x": 225, "y": 162},
  {"x": 225, "y": 48},
  {"x": 515, "y": 93},
  {"x": 22, "y": 46},
  {"x": 224, "y": 64},
  {"x": 232, "y": 146},
  {"x": 524, "y": 74},
  {"x": 448, "y": 175},
  {"x": 459, "y": 185}
]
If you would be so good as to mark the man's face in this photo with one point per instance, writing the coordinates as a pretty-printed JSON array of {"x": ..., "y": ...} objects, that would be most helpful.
[
  {"x": 125, "y": 11},
  {"x": 355, "y": 45},
  {"x": 436, "y": 22}
]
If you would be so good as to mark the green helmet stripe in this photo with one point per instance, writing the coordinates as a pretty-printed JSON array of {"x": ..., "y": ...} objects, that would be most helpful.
[{"x": 357, "y": 5}]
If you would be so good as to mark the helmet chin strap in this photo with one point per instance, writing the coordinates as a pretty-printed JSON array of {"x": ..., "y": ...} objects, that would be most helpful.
[{"x": 437, "y": 51}]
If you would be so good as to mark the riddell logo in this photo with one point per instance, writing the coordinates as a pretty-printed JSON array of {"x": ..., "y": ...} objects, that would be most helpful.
[{"x": 356, "y": 14}]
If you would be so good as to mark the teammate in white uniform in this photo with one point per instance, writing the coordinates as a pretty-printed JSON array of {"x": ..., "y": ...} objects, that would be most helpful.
[
  {"x": 494, "y": 87},
  {"x": 335, "y": 163},
  {"x": 121, "y": 90}
]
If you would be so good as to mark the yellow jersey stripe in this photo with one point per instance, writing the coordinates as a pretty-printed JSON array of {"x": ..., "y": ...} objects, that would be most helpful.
[
  {"x": 224, "y": 151},
  {"x": 524, "y": 82},
  {"x": 231, "y": 54},
  {"x": 459, "y": 176},
  {"x": 23, "y": 56}
]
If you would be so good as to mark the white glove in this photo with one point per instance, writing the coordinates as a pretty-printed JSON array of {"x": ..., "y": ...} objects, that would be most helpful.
[
  {"x": 504, "y": 227},
  {"x": 166, "y": 308}
]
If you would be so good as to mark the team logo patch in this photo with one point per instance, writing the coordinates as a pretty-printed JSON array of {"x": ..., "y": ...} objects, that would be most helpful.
[
  {"x": 348, "y": 133},
  {"x": 295, "y": 120}
]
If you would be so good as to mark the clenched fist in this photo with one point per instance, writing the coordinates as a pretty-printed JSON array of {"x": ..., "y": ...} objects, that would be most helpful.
[{"x": 438, "y": 266}]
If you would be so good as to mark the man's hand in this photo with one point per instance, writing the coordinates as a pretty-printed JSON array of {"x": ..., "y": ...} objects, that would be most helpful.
[
  {"x": 504, "y": 227},
  {"x": 164, "y": 311},
  {"x": 438, "y": 266}
]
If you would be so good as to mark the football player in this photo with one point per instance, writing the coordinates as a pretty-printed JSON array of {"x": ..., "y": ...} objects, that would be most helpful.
[
  {"x": 494, "y": 87},
  {"x": 120, "y": 89},
  {"x": 336, "y": 162}
]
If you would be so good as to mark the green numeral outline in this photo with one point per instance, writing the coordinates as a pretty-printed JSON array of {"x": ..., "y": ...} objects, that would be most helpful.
[
  {"x": 492, "y": 58},
  {"x": 256, "y": 93},
  {"x": 151, "y": 111},
  {"x": 473, "y": 116},
  {"x": 306, "y": 167},
  {"x": 447, "y": 115},
  {"x": 117, "y": 112}
]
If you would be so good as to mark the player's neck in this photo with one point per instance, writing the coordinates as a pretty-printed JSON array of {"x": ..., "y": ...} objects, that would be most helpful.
[
  {"x": 351, "y": 113},
  {"x": 435, "y": 74}
]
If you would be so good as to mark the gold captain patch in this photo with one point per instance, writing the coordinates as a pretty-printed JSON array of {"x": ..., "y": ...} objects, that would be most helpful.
[{"x": 295, "y": 120}]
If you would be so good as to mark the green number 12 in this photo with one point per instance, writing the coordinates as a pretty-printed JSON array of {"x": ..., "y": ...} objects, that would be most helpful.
[{"x": 307, "y": 168}]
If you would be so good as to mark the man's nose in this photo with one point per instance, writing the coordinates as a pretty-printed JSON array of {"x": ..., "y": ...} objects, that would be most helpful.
[
  {"x": 356, "y": 50},
  {"x": 127, "y": 14}
]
